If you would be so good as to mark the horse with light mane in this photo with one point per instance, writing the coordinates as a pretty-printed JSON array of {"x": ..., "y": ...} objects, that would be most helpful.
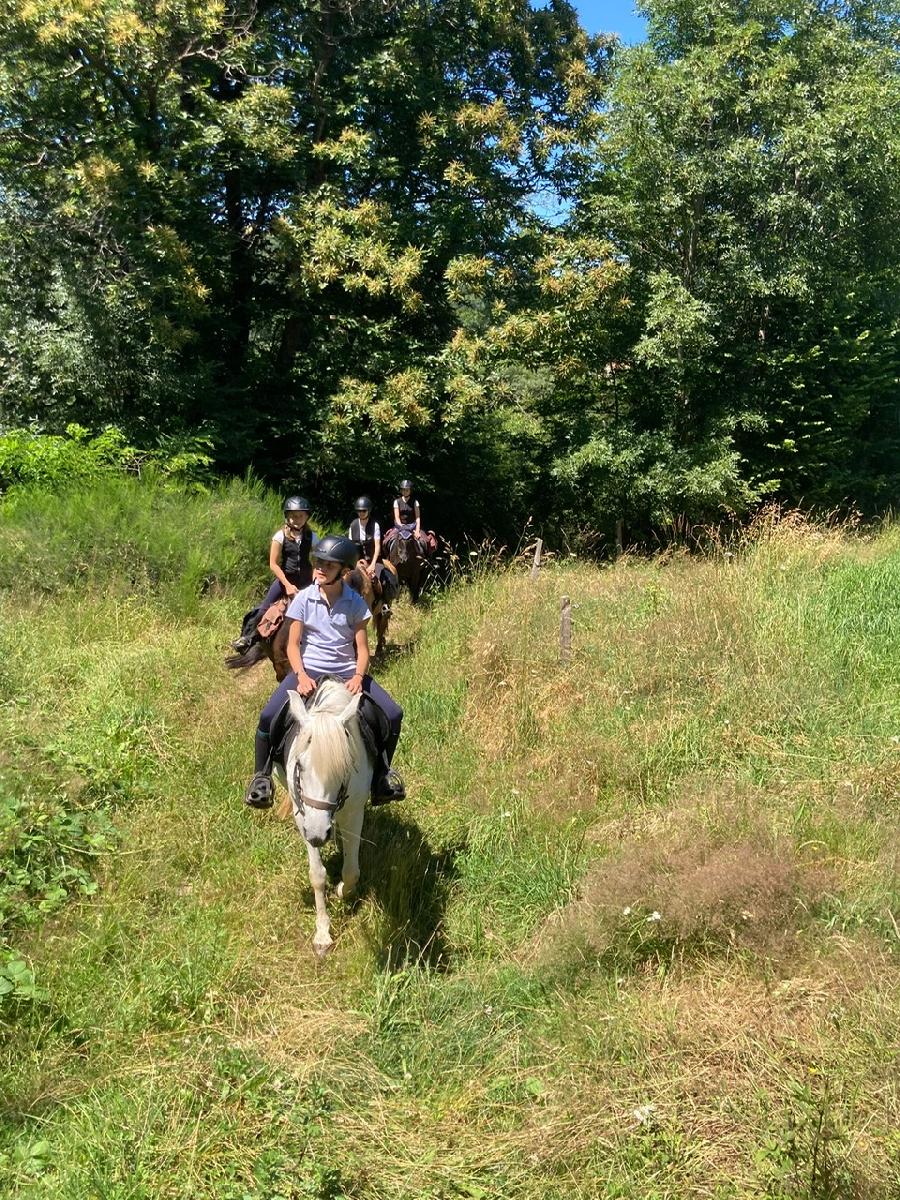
[{"x": 328, "y": 776}]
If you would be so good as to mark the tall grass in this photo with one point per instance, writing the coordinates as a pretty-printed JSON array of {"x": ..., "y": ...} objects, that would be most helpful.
[
  {"x": 633, "y": 934},
  {"x": 131, "y": 536}
]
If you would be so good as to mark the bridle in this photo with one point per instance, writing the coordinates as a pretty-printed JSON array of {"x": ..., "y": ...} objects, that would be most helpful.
[{"x": 302, "y": 803}]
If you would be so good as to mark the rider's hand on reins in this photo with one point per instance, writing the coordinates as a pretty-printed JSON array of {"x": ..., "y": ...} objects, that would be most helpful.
[
  {"x": 305, "y": 685},
  {"x": 354, "y": 685}
]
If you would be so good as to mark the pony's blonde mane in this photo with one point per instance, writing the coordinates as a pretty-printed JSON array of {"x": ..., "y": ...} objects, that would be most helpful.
[{"x": 331, "y": 754}]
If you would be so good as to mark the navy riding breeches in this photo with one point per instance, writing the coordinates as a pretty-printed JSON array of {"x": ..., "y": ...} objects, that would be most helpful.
[{"x": 386, "y": 703}]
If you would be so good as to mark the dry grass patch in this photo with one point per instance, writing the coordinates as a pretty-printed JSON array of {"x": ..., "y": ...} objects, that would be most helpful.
[
  {"x": 733, "y": 1080},
  {"x": 691, "y": 881}
]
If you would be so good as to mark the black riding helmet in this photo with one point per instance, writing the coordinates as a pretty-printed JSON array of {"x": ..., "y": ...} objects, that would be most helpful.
[
  {"x": 363, "y": 504},
  {"x": 337, "y": 550},
  {"x": 296, "y": 504},
  {"x": 406, "y": 483}
]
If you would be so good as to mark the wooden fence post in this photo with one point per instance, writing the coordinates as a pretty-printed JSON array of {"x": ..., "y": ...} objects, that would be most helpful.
[
  {"x": 536, "y": 565},
  {"x": 565, "y": 632}
]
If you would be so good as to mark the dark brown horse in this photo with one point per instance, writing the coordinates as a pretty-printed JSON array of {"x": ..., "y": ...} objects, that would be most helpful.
[
  {"x": 273, "y": 647},
  {"x": 360, "y": 580},
  {"x": 406, "y": 556}
]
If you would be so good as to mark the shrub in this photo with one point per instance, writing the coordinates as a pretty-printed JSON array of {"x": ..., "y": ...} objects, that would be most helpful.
[{"x": 50, "y": 461}]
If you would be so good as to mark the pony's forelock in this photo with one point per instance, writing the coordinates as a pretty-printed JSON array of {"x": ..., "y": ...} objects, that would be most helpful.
[
  {"x": 325, "y": 737},
  {"x": 330, "y": 751}
]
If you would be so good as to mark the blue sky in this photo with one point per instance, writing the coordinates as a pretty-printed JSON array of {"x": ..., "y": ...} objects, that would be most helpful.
[{"x": 611, "y": 16}]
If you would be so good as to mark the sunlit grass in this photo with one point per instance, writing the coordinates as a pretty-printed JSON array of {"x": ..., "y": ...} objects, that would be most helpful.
[{"x": 720, "y": 760}]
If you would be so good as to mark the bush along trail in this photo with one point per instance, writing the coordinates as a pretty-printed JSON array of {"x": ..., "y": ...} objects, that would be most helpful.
[{"x": 634, "y": 933}]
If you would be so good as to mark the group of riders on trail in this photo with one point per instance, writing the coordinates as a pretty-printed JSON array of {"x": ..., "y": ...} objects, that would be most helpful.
[{"x": 327, "y": 633}]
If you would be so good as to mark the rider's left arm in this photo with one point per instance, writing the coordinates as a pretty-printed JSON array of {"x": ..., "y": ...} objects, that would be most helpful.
[
  {"x": 376, "y": 554},
  {"x": 418, "y": 518},
  {"x": 361, "y": 640}
]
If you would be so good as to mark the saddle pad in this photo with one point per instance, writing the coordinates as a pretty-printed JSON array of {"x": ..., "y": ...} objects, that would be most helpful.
[
  {"x": 374, "y": 729},
  {"x": 271, "y": 620}
]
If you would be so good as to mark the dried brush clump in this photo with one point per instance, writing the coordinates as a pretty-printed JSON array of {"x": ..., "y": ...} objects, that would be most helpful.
[
  {"x": 690, "y": 891},
  {"x": 792, "y": 536}
]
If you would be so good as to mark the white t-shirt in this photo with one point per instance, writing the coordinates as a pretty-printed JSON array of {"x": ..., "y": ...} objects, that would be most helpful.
[
  {"x": 366, "y": 532},
  {"x": 278, "y": 537}
]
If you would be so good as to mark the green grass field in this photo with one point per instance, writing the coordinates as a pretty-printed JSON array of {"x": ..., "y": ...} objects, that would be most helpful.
[{"x": 634, "y": 934}]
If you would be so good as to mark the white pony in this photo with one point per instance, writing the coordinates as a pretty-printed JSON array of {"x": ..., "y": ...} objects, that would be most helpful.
[{"x": 328, "y": 775}]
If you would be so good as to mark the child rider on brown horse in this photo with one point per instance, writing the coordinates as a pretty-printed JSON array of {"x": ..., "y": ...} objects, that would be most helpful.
[
  {"x": 289, "y": 562},
  {"x": 365, "y": 533}
]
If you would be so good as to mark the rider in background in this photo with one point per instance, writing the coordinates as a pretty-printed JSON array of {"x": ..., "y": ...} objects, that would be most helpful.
[
  {"x": 406, "y": 510},
  {"x": 408, "y": 516},
  {"x": 365, "y": 533},
  {"x": 328, "y": 637},
  {"x": 289, "y": 562}
]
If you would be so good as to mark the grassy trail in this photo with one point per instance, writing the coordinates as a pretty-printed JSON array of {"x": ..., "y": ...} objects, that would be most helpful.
[{"x": 633, "y": 934}]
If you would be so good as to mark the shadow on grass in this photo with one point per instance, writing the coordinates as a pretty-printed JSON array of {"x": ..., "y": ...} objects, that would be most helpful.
[
  {"x": 393, "y": 651},
  {"x": 409, "y": 883}
]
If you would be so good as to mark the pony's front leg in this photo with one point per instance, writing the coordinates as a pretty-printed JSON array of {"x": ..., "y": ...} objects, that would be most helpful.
[
  {"x": 323, "y": 940},
  {"x": 351, "y": 832}
]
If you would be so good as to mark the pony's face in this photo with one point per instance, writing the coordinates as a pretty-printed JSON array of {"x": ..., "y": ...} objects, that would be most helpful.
[
  {"x": 315, "y": 806},
  {"x": 320, "y": 765}
]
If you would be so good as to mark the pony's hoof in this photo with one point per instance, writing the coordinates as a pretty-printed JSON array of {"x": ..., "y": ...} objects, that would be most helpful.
[{"x": 322, "y": 949}]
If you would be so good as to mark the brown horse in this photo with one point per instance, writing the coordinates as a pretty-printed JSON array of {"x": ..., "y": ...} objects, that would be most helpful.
[
  {"x": 274, "y": 647},
  {"x": 406, "y": 556},
  {"x": 361, "y": 581}
]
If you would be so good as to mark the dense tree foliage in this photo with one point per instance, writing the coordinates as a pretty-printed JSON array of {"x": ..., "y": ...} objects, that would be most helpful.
[
  {"x": 462, "y": 239},
  {"x": 750, "y": 171}
]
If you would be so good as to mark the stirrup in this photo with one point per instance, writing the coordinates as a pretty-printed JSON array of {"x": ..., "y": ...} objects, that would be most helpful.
[
  {"x": 242, "y": 644},
  {"x": 260, "y": 791},
  {"x": 387, "y": 788}
]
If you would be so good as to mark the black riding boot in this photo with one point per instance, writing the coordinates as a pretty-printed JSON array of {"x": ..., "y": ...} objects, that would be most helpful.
[
  {"x": 260, "y": 790},
  {"x": 386, "y": 783},
  {"x": 248, "y": 632}
]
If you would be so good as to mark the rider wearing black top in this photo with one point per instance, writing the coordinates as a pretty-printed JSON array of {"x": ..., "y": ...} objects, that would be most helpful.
[
  {"x": 408, "y": 515},
  {"x": 365, "y": 533},
  {"x": 289, "y": 562}
]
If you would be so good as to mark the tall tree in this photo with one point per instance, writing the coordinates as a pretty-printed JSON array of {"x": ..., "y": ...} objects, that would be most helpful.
[
  {"x": 241, "y": 217},
  {"x": 749, "y": 173}
]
